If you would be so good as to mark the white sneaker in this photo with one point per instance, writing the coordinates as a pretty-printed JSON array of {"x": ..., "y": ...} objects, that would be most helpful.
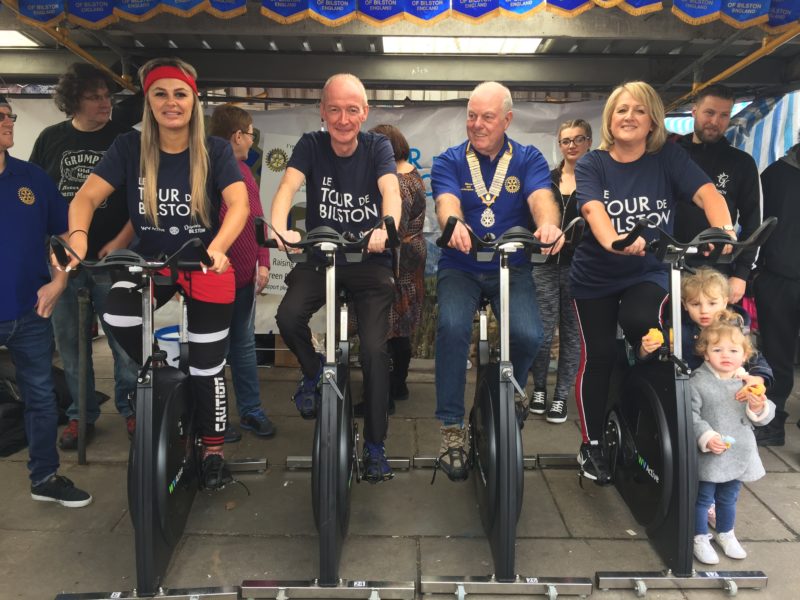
[
  {"x": 703, "y": 550},
  {"x": 730, "y": 545}
]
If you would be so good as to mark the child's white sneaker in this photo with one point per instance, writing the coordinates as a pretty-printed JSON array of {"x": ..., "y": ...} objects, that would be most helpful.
[
  {"x": 712, "y": 516},
  {"x": 703, "y": 550},
  {"x": 730, "y": 545}
]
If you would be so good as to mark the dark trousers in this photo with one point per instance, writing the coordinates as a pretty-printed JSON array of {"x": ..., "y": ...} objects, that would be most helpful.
[
  {"x": 778, "y": 305},
  {"x": 371, "y": 289},
  {"x": 636, "y": 309}
]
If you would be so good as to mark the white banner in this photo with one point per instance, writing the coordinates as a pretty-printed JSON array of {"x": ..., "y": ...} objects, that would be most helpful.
[{"x": 429, "y": 131}]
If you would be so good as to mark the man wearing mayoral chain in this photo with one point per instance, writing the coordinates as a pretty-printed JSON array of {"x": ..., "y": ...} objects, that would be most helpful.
[{"x": 518, "y": 191}]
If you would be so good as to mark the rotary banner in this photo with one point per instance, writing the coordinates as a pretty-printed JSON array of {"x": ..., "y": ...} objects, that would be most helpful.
[
  {"x": 744, "y": 13},
  {"x": 380, "y": 12},
  {"x": 782, "y": 14},
  {"x": 285, "y": 11},
  {"x": 475, "y": 10},
  {"x": 520, "y": 9},
  {"x": 44, "y": 12},
  {"x": 92, "y": 14},
  {"x": 427, "y": 12},
  {"x": 332, "y": 12},
  {"x": 773, "y": 15},
  {"x": 569, "y": 8},
  {"x": 640, "y": 7},
  {"x": 697, "y": 12}
]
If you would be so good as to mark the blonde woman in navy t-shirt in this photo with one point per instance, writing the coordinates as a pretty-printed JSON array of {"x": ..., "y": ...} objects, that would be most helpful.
[
  {"x": 632, "y": 175},
  {"x": 175, "y": 179}
]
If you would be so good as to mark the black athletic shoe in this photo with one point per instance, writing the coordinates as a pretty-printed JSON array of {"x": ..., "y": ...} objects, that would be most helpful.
[
  {"x": 60, "y": 489},
  {"x": 557, "y": 413},
  {"x": 215, "y": 472},
  {"x": 258, "y": 422},
  {"x": 593, "y": 463},
  {"x": 538, "y": 402}
]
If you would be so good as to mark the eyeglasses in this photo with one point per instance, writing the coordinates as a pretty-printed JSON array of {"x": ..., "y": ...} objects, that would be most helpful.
[
  {"x": 250, "y": 133},
  {"x": 578, "y": 139},
  {"x": 11, "y": 116}
]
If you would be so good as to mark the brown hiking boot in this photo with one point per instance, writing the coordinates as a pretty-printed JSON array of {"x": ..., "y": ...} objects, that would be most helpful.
[{"x": 454, "y": 452}]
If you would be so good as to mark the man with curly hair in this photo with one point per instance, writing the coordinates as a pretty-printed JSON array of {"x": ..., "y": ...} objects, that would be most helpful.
[{"x": 68, "y": 152}]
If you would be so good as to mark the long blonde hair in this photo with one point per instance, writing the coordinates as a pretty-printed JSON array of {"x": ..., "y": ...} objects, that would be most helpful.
[
  {"x": 644, "y": 93},
  {"x": 149, "y": 157}
]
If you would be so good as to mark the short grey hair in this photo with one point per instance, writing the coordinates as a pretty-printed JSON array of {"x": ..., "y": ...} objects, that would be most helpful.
[{"x": 494, "y": 86}]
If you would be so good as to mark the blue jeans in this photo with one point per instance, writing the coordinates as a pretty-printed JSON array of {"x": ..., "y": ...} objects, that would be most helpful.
[
  {"x": 242, "y": 351},
  {"x": 724, "y": 495},
  {"x": 65, "y": 325},
  {"x": 30, "y": 340},
  {"x": 459, "y": 293}
]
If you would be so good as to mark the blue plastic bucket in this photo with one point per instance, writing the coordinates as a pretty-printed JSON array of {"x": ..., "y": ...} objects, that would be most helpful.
[{"x": 169, "y": 341}]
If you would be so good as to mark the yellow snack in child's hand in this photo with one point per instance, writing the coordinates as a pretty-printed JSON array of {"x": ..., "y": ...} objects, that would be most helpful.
[
  {"x": 656, "y": 335},
  {"x": 757, "y": 389}
]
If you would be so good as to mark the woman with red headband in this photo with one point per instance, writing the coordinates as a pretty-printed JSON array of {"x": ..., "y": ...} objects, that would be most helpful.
[{"x": 175, "y": 179}]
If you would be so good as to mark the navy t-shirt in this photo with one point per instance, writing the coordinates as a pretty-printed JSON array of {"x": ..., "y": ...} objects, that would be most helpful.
[
  {"x": 450, "y": 174},
  {"x": 645, "y": 188},
  {"x": 120, "y": 167},
  {"x": 342, "y": 191},
  {"x": 32, "y": 209}
]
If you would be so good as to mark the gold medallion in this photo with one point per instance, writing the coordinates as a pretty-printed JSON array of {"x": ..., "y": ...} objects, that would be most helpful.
[
  {"x": 513, "y": 185},
  {"x": 26, "y": 195}
]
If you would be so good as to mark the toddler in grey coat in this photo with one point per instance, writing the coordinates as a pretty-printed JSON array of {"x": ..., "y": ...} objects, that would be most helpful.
[{"x": 723, "y": 428}]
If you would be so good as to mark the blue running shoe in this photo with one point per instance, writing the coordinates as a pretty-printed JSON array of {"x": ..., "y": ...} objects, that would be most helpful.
[
  {"x": 258, "y": 422},
  {"x": 309, "y": 393},
  {"x": 376, "y": 467}
]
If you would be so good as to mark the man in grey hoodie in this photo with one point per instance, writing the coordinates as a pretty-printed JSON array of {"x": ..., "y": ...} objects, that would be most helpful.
[{"x": 777, "y": 286}]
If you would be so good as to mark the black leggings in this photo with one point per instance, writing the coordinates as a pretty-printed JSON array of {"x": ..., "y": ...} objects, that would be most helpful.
[
  {"x": 209, "y": 307},
  {"x": 636, "y": 309},
  {"x": 371, "y": 288}
]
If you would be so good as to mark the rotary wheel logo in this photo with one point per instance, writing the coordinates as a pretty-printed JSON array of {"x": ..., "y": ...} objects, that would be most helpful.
[
  {"x": 512, "y": 185},
  {"x": 276, "y": 160},
  {"x": 26, "y": 195}
]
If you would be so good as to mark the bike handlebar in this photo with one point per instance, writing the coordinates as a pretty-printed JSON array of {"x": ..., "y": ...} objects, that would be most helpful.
[
  {"x": 484, "y": 249},
  {"x": 354, "y": 250},
  {"x": 124, "y": 258},
  {"x": 668, "y": 249}
]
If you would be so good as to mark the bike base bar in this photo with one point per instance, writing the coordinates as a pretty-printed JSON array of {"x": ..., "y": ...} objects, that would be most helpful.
[
  {"x": 207, "y": 593},
  {"x": 641, "y": 581},
  {"x": 429, "y": 462},
  {"x": 557, "y": 461},
  {"x": 303, "y": 463},
  {"x": 522, "y": 586},
  {"x": 370, "y": 590},
  {"x": 247, "y": 465}
]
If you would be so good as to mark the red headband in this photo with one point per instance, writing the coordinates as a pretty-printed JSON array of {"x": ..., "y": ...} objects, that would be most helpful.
[{"x": 168, "y": 72}]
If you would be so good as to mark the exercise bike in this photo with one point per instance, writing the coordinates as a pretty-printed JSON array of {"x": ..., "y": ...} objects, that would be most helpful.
[
  {"x": 648, "y": 436},
  {"x": 495, "y": 420},
  {"x": 335, "y": 461},
  {"x": 164, "y": 460}
]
